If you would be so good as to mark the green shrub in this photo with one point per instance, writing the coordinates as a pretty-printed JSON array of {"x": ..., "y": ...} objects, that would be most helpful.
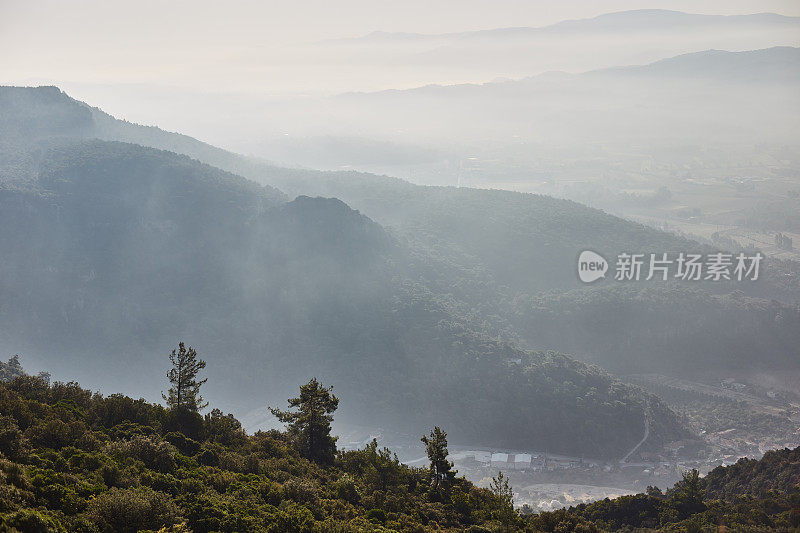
[
  {"x": 69, "y": 406},
  {"x": 190, "y": 423},
  {"x": 90, "y": 441},
  {"x": 252, "y": 465},
  {"x": 184, "y": 444},
  {"x": 31, "y": 388},
  {"x": 461, "y": 502},
  {"x": 155, "y": 454},
  {"x": 15, "y": 474},
  {"x": 29, "y": 521},
  {"x": 161, "y": 482},
  {"x": 478, "y": 529},
  {"x": 192, "y": 486},
  {"x": 128, "y": 430},
  {"x": 233, "y": 462},
  {"x": 120, "y": 410},
  {"x": 82, "y": 525},
  {"x": 54, "y": 433},
  {"x": 224, "y": 429},
  {"x": 271, "y": 493},
  {"x": 208, "y": 457},
  {"x": 377, "y": 515},
  {"x": 347, "y": 490},
  {"x": 130, "y": 510},
  {"x": 296, "y": 519},
  {"x": 300, "y": 490},
  {"x": 111, "y": 474},
  {"x": 13, "y": 443}
]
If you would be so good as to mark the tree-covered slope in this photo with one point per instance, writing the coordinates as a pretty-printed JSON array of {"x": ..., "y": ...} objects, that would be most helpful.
[
  {"x": 524, "y": 241},
  {"x": 751, "y": 495},
  {"x": 113, "y": 250},
  {"x": 777, "y": 471},
  {"x": 510, "y": 257},
  {"x": 671, "y": 329},
  {"x": 275, "y": 295}
]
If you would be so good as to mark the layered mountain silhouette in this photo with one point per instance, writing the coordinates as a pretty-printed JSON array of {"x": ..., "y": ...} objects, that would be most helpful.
[
  {"x": 620, "y": 38},
  {"x": 113, "y": 251},
  {"x": 637, "y": 20}
]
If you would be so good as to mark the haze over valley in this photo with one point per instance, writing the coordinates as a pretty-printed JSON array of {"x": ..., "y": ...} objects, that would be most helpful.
[{"x": 402, "y": 213}]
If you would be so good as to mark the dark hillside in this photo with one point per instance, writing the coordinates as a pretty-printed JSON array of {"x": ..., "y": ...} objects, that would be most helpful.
[{"x": 134, "y": 247}]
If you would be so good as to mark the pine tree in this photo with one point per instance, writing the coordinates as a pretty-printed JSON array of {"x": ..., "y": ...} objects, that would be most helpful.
[
  {"x": 310, "y": 425},
  {"x": 436, "y": 448},
  {"x": 14, "y": 362},
  {"x": 688, "y": 493},
  {"x": 185, "y": 390},
  {"x": 383, "y": 467},
  {"x": 505, "y": 495}
]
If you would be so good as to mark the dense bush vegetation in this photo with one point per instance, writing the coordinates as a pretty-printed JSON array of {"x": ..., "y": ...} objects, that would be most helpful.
[
  {"x": 76, "y": 461},
  {"x": 72, "y": 460}
]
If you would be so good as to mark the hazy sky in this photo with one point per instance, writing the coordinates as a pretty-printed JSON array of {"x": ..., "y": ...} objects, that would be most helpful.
[
  {"x": 177, "y": 63},
  {"x": 36, "y": 23},
  {"x": 106, "y": 41}
]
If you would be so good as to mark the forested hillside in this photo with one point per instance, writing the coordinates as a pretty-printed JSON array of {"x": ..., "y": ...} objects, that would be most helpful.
[
  {"x": 777, "y": 472},
  {"x": 752, "y": 495},
  {"x": 134, "y": 246},
  {"x": 666, "y": 327},
  {"x": 499, "y": 251}
]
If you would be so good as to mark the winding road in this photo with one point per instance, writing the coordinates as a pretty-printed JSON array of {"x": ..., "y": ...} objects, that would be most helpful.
[{"x": 646, "y": 434}]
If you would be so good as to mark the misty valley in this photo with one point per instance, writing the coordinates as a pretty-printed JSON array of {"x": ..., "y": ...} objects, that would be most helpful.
[{"x": 455, "y": 299}]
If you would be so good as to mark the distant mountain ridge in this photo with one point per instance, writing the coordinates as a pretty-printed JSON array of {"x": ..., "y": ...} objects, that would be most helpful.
[
  {"x": 776, "y": 64},
  {"x": 633, "y": 37},
  {"x": 637, "y": 19}
]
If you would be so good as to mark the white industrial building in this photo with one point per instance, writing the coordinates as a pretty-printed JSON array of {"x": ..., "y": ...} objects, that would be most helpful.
[
  {"x": 522, "y": 461},
  {"x": 499, "y": 460}
]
